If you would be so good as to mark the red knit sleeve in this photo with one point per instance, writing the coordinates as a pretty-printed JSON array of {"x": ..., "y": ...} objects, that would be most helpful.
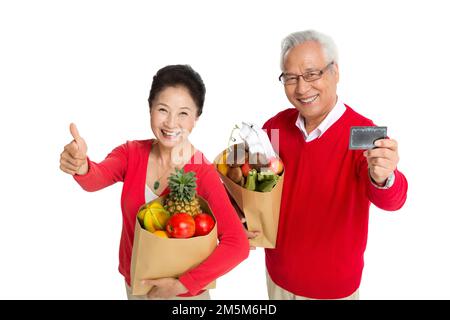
[
  {"x": 107, "y": 172},
  {"x": 390, "y": 199},
  {"x": 233, "y": 245}
]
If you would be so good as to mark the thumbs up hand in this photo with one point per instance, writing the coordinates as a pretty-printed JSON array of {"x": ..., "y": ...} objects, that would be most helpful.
[{"x": 74, "y": 157}]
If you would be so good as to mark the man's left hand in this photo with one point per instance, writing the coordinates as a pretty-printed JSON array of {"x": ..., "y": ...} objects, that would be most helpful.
[
  {"x": 165, "y": 288},
  {"x": 382, "y": 160}
]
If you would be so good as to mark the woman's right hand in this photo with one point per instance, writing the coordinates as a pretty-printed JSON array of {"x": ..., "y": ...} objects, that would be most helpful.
[
  {"x": 250, "y": 234},
  {"x": 74, "y": 157}
]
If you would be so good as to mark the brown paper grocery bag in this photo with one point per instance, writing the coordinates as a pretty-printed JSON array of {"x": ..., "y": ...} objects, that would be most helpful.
[
  {"x": 154, "y": 257},
  {"x": 261, "y": 209}
]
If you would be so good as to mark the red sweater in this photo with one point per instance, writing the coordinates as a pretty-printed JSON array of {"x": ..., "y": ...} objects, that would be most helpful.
[
  {"x": 128, "y": 164},
  {"x": 324, "y": 213}
]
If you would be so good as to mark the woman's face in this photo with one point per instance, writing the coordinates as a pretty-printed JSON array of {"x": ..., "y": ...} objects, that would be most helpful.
[{"x": 173, "y": 115}]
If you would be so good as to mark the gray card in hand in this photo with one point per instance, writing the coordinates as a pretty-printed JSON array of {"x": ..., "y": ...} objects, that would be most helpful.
[{"x": 363, "y": 138}]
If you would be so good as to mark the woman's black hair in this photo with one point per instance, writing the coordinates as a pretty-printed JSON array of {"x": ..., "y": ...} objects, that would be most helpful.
[{"x": 179, "y": 75}]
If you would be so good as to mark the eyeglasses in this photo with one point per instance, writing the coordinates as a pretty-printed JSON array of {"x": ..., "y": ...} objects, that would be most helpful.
[{"x": 289, "y": 78}]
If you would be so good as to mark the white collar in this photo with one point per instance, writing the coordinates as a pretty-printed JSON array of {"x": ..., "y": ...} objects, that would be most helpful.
[{"x": 333, "y": 116}]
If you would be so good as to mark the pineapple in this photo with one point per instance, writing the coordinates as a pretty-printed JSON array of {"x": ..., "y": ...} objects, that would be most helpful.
[{"x": 182, "y": 197}]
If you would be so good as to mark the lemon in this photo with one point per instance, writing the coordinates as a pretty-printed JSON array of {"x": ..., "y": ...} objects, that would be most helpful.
[{"x": 160, "y": 233}]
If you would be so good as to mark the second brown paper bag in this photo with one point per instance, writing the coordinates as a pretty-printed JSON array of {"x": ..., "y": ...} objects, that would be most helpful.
[{"x": 261, "y": 209}]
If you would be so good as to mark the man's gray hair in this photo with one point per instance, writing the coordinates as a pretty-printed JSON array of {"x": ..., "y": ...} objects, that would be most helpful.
[{"x": 294, "y": 39}]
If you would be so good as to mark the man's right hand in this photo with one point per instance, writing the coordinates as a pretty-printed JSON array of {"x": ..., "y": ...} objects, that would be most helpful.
[{"x": 74, "y": 157}]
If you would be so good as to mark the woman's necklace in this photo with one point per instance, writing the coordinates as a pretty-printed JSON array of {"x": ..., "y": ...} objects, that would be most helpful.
[
  {"x": 156, "y": 185},
  {"x": 157, "y": 182}
]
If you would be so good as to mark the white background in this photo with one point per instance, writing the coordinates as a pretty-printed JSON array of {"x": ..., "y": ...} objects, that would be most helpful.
[{"x": 91, "y": 62}]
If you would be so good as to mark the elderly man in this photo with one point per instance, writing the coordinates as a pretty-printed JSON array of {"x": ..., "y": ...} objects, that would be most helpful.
[{"x": 328, "y": 188}]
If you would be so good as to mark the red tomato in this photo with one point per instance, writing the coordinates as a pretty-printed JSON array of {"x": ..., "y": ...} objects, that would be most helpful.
[
  {"x": 276, "y": 165},
  {"x": 204, "y": 223},
  {"x": 245, "y": 169},
  {"x": 181, "y": 225}
]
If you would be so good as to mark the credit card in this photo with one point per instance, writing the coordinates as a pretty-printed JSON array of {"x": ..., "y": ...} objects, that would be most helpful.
[{"x": 363, "y": 138}]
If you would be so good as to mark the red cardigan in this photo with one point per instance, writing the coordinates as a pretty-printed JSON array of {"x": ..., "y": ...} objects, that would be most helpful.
[
  {"x": 324, "y": 214},
  {"x": 128, "y": 164}
]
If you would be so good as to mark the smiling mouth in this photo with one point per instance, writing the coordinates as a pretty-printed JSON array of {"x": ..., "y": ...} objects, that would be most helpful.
[
  {"x": 308, "y": 100},
  {"x": 171, "y": 134}
]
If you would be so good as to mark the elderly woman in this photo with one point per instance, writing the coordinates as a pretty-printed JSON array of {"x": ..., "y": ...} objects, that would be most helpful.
[{"x": 176, "y": 101}]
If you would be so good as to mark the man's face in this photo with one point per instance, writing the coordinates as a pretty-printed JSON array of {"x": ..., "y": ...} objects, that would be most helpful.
[{"x": 316, "y": 98}]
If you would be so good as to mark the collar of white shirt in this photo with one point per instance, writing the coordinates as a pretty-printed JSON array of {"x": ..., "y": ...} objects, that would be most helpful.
[{"x": 333, "y": 116}]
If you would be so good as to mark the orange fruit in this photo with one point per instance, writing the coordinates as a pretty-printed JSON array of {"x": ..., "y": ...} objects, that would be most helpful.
[
  {"x": 222, "y": 168},
  {"x": 223, "y": 158}
]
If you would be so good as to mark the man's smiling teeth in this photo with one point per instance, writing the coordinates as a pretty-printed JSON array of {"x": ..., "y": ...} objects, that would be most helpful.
[{"x": 308, "y": 100}]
